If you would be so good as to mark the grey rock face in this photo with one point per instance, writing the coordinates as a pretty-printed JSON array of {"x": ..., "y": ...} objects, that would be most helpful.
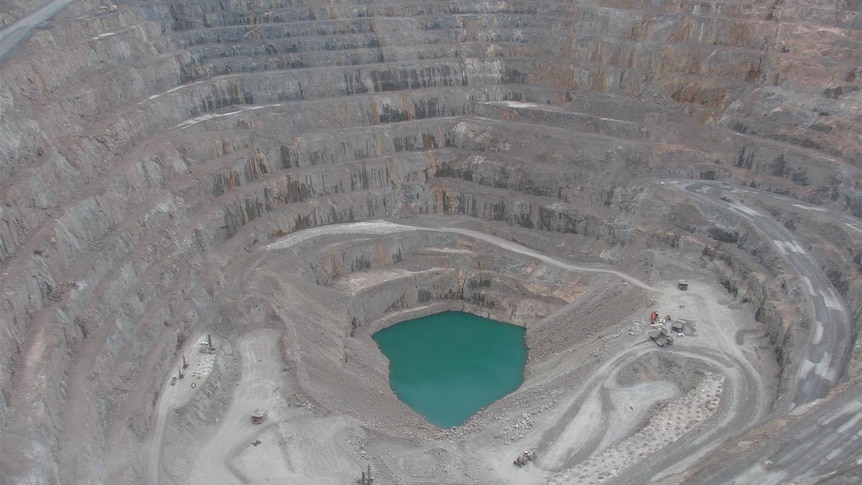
[{"x": 142, "y": 148}]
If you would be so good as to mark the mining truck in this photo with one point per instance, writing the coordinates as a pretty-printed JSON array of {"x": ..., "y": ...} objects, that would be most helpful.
[
  {"x": 661, "y": 337},
  {"x": 258, "y": 416},
  {"x": 525, "y": 457}
]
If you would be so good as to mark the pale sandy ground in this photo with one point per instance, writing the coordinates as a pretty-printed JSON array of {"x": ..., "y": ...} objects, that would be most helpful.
[
  {"x": 588, "y": 433},
  {"x": 177, "y": 393},
  {"x": 616, "y": 426}
]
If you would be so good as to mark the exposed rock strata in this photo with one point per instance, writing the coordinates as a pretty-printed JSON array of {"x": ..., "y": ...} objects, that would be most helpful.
[{"x": 143, "y": 148}]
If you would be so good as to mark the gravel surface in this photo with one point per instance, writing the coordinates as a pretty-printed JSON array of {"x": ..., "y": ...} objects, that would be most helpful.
[{"x": 599, "y": 398}]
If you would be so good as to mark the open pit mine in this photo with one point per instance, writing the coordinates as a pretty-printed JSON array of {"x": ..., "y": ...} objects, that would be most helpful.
[{"x": 209, "y": 207}]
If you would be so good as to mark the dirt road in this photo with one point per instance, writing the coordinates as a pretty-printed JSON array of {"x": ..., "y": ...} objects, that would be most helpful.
[
  {"x": 384, "y": 227},
  {"x": 825, "y": 357},
  {"x": 602, "y": 412},
  {"x": 642, "y": 413},
  {"x": 15, "y": 33},
  {"x": 258, "y": 389},
  {"x": 292, "y": 445},
  {"x": 829, "y": 435},
  {"x": 176, "y": 393}
]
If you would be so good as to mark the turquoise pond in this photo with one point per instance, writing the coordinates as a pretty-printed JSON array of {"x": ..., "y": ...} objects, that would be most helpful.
[{"x": 450, "y": 365}]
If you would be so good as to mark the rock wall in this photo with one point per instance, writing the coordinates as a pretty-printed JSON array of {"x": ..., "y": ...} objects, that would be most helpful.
[{"x": 141, "y": 147}]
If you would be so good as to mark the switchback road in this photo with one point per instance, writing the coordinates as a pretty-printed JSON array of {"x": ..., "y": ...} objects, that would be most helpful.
[{"x": 822, "y": 361}]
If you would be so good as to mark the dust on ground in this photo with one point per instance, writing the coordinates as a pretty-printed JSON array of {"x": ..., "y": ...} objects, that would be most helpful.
[{"x": 607, "y": 401}]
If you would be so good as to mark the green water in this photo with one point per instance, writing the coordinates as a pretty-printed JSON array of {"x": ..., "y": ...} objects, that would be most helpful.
[{"x": 449, "y": 365}]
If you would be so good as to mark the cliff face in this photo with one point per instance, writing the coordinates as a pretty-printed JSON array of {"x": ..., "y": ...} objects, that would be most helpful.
[{"x": 139, "y": 146}]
